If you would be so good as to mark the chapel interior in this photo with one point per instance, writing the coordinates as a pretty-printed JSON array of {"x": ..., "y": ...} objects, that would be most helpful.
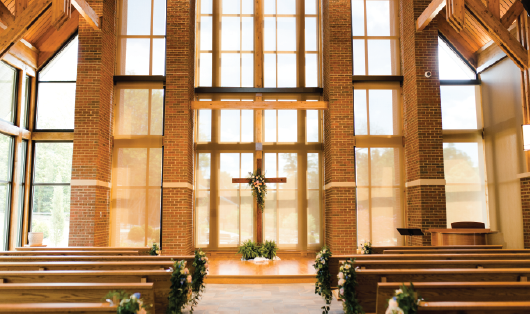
[{"x": 393, "y": 136}]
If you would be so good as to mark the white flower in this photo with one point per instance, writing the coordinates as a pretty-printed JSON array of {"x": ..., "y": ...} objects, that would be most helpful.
[
  {"x": 341, "y": 282},
  {"x": 324, "y": 251},
  {"x": 340, "y": 275},
  {"x": 347, "y": 266},
  {"x": 341, "y": 291},
  {"x": 323, "y": 261},
  {"x": 318, "y": 256},
  {"x": 399, "y": 291}
]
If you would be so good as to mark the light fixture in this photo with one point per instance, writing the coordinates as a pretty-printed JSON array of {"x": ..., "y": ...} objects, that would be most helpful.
[{"x": 526, "y": 137}]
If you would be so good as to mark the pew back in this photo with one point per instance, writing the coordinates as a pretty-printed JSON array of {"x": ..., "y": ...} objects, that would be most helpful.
[
  {"x": 439, "y": 264},
  {"x": 455, "y": 251},
  {"x": 94, "y": 258},
  {"x": 140, "y": 250},
  {"x": 87, "y": 265},
  {"x": 520, "y": 307},
  {"x": 58, "y": 308},
  {"x": 381, "y": 249},
  {"x": 70, "y": 253}
]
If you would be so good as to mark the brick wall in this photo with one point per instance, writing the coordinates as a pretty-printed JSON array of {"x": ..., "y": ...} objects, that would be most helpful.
[
  {"x": 89, "y": 208},
  {"x": 525, "y": 203},
  {"x": 177, "y": 214},
  {"x": 422, "y": 120},
  {"x": 339, "y": 164}
]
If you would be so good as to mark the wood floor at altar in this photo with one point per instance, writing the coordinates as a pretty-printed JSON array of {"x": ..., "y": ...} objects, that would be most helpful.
[{"x": 234, "y": 271}]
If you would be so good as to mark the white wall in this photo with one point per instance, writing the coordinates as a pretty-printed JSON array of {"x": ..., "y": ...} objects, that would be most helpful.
[{"x": 501, "y": 102}]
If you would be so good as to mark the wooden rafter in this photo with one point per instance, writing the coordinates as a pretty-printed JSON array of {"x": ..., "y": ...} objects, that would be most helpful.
[
  {"x": 456, "y": 14},
  {"x": 456, "y": 39},
  {"x": 513, "y": 12},
  {"x": 54, "y": 39},
  {"x": 429, "y": 14},
  {"x": 6, "y": 18},
  {"x": 88, "y": 13},
  {"x": 494, "y": 6},
  {"x": 20, "y": 6},
  {"x": 61, "y": 12},
  {"x": 258, "y": 105},
  {"x": 500, "y": 35}
]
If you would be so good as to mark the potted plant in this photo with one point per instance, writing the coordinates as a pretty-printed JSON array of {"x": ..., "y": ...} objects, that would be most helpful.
[{"x": 35, "y": 238}]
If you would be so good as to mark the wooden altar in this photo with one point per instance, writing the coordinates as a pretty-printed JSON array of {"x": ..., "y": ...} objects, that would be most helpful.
[{"x": 440, "y": 237}]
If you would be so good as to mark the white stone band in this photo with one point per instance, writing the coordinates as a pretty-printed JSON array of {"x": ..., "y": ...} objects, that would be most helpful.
[
  {"x": 339, "y": 184},
  {"x": 523, "y": 175},
  {"x": 177, "y": 185},
  {"x": 426, "y": 182},
  {"x": 89, "y": 182}
]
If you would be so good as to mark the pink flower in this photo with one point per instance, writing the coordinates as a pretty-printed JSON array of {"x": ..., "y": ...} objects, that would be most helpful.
[
  {"x": 206, "y": 265},
  {"x": 185, "y": 271},
  {"x": 189, "y": 279}
]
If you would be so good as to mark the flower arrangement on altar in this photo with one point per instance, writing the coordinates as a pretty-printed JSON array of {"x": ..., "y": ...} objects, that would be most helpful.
[
  {"x": 201, "y": 270},
  {"x": 127, "y": 304},
  {"x": 181, "y": 288},
  {"x": 257, "y": 183},
  {"x": 365, "y": 247},
  {"x": 347, "y": 283},
  {"x": 323, "y": 284},
  {"x": 155, "y": 250},
  {"x": 404, "y": 301}
]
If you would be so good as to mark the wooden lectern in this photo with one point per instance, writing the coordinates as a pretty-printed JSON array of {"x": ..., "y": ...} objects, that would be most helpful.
[{"x": 461, "y": 233}]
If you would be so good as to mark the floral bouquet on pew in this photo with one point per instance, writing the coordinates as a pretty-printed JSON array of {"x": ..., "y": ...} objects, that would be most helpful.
[
  {"x": 127, "y": 304},
  {"x": 347, "y": 283},
  {"x": 201, "y": 270},
  {"x": 323, "y": 284},
  {"x": 181, "y": 288},
  {"x": 404, "y": 301},
  {"x": 155, "y": 250},
  {"x": 365, "y": 247}
]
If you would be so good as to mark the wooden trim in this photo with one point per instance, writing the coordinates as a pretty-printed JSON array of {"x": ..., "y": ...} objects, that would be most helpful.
[
  {"x": 52, "y": 136},
  {"x": 258, "y": 105},
  {"x": 511, "y": 15},
  {"x": 429, "y": 14},
  {"x": 371, "y": 78},
  {"x": 139, "y": 78},
  {"x": 203, "y": 90},
  {"x": 6, "y": 18},
  {"x": 88, "y": 13}
]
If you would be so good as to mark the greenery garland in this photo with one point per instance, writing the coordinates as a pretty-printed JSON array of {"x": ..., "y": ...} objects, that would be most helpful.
[
  {"x": 127, "y": 303},
  {"x": 257, "y": 183},
  {"x": 181, "y": 288},
  {"x": 323, "y": 284},
  {"x": 155, "y": 250},
  {"x": 347, "y": 283},
  {"x": 405, "y": 301},
  {"x": 201, "y": 270}
]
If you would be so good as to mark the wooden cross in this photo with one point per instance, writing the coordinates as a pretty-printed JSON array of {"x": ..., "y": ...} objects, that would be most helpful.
[{"x": 259, "y": 214}]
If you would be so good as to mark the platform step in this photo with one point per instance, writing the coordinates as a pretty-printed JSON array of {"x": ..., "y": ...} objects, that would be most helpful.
[{"x": 260, "y": 279}]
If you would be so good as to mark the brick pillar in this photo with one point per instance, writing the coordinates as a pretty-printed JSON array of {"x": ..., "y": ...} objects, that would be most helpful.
[
  {"x": 91, "y": 166},
  {"x": 525, "y": 203},
  {"x": 177, "y": 213},
  {"x": 339, "y": 163},
  {"x": 424, "y": 169}
]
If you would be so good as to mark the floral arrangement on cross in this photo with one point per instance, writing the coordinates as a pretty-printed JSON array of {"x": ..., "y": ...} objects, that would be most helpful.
[{"x": 257, "y": 183}]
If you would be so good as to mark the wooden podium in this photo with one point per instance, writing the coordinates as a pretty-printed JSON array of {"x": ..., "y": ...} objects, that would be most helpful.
[{"x": 462, "y": 233}]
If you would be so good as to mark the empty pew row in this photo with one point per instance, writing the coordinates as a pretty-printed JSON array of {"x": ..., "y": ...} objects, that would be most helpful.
[
  {"x": 454, "y": 251},
  {"x": 484, "y": 292},
  {"x": 519, "y": 307},
  {"x": 140, "y": 250},
  {"x": 95, "y": 258},
  {"x": 381, "y": 249},
  {"x": 69, "y": 253},
  {"x": 58, "y": 308},
  {"x": 71, "y": 292},
  {"x": 88, "y": 265},
  {"x": 368, "y": 279},
  {"x": 438, "y": 264}
]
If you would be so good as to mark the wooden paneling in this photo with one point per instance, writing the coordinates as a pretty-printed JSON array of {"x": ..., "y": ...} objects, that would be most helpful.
[{"x": 53, "y": 39}]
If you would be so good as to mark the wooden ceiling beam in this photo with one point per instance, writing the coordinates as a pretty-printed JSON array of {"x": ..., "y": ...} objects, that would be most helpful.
[
  {"x": 494, "y": 6},
  {"x": 6, "y": 18},
  {"x": 456, "y": 39},
  {"x": 54, "y": 39},
  {"x": 498, "y": 33},
  {"x": 258, "y": 105},
  {"x": 88, "y": 13},
  {"x": 17, "y": 30},
  {"x": 513, "y": 12},
  {"x": 429, "y": 14},
  {"x": 20, "y": 6},
  {"x": 61, "y": 12},
  {"x": 456, "y": 14}
]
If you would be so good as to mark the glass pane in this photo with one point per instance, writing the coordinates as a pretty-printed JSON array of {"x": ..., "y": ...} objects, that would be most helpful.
[
  {"x": 313, "y": 217},
  {"x": 287, "y": 167},
  {"x": 7, "y": 92},
  {"x": 154, "y": 206},
  {"x": 359, "y": 63},
  {"x": 230, "y": 6},
  {"x": 381, "y": 112},
  {"x": 56, "y": 106},
  {"x": 229, "y": 200},
  {"x": 230, "y": 70},
  {"x": 270, "y": 164},
  {"x": 157, "y": 112},
  {"x": 203, "y": 216},
  {"x": 247, "y": 38},
  {"x": 26, "y": 99},
  {"x": 129, "y": 226},
  {"x": 159, "y": 17},
  {"x": 311, "y": 70},
  {"x": 132, "y": 164},
  {"x": 230, "y": 32},
  {"x": 287, "y": 70},
  {"x": 361, "y": 167},
  {"x": 247, "y": 126},
  {"x": 205, "y": 125},
  {"x": 203, "y": 172},
  {"x": 287, "y": 126},
  {"x": 461, "y": 163},
  {"x": 4, "y": 208},
  {"x": 378, "y": 17},
  {"x": 63, "y": 66},
  {"x": 286, "y": 33},
  {"x": 357, "y": 9},
  {"x": 383, "y": 167},
  {"x": 206, "y": 33},
  {"x": 229, "y": 169},
  {"x": 459, "y": 109},
  {"x": 53, "y": 162},
  {"x": 247, "y": 70},
  {"x": 270, "y": 216},
  {"x": 270, "y": 34},
  {"x": 155, "y": 167},
  {"x": 270, "y": 126},
  {"x": 286, "y": 7},
  {"x": 51, "y": 214},
  {"x": 136, "y": 55},
  {"x": 360, "y": 112},
  {"x": 206, "y": 7},
  {"x": 270, "y": 6},
  {"x": 133, "y": 114},
  {"x": 363, "y": 214},
  {"x": 159, "y": 56},
  {"x": 310, "y": 7},
  {"x": 248, "y": 7},
  {"x": 247, "y": 201},
  {"x": 230, "y": 125},
  {"x": 288, "y": 198},
  {"x": 379, "y": 61},
  {"x": 138, "y": 17},
  {"x": 313, "y": 175},
  {"x": 270, "y": 70},
  {"x": 6, "y": 157},
  {"x": 386, "y": 205},
  {"x": 452, "y": 67},
  {"x": 19, "y": 213},
  {"x": 312, "y": 125},
  {"x": 205, "y": 73}
]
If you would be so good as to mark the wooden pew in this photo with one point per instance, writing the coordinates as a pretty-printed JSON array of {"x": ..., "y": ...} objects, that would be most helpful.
[
  {"x": 87, "y": 265},
  {"x": 96, "y": 258},
  {"x": 140, "y": 250},
  {"x": 367, "y": 279},
  {"x": 458, "y": 292},
  {"x": 437, "y": 264},
  {"x": 71, "y": 253},
  {"x": 381, "y": 249},
  {"x": 160, "y": 279},
  {"x": 456, "y": 251},
  {"x": 58, "y": 308},
  {"x": 520, "y": 307},
  {"x": 70, "y": 292}
]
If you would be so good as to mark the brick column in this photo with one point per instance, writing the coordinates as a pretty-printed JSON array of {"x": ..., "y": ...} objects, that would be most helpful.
[
  {"x": 525, "y": 204},
  {"x": 177, "y": 207},
  {"x": 92, "y": 156},
  {"x": 424, "y": 169},
  {"x": 339, "y": 163}
]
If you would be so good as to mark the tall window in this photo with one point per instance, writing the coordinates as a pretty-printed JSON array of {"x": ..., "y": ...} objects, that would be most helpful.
[
  {"x": 142, "y": 37},
  {"x": 137, "y": 165},
  {"x": 21, "y": 191},
  {"x": 52, "y": 173},
  {"x": 56, "y": 90},
  {"x": 378, "y": 163},
  {"x": 375, "y": 31},
  {"x": 6, "y": 178},
  {"x": 8, "y": 82}
]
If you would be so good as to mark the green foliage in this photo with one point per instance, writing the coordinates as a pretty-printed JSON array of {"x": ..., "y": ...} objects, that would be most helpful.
[
  {"x": 136, "y": 233},
  {"x": 154, "y": 250},
  {"x": 127, "y": 303},
  {"x": 249, "y": 250},
  {"x": 41, "y": 226},
  {"x": 201, "y": 270},
  {"x": 181, "y": 288},
  {"x": 257, "y": 183},
  {"x": 323, "y": 284},
  {"x": 268, "y": 249},
  {"x": 405, "y": 301},
  {"x": 347, "y": 283}
]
